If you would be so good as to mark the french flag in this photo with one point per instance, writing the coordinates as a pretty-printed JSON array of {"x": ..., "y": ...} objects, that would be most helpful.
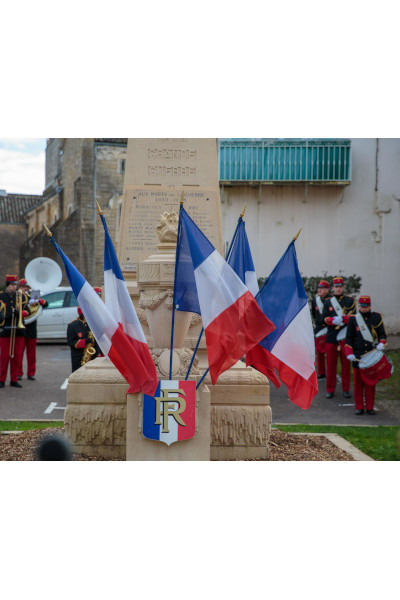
[
  {"x": 241, "y": 260},
  {"x": 119, "y": 303},
  {"x": 205, "y": 284},
  {"x": 108, "y": 332},
  {"x": 290, "y": 347}
]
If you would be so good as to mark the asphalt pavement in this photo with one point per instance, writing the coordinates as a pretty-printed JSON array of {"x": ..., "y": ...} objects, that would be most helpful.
[{"x": 46, "y": 397}]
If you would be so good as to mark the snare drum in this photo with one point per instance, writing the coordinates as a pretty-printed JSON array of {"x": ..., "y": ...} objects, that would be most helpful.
[
  {"x": 342, "y": 334},
  {"x": 375, "y": 366}
]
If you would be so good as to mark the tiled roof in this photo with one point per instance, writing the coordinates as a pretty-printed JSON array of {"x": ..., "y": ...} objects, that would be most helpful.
[{"x": 14, "y": 206}]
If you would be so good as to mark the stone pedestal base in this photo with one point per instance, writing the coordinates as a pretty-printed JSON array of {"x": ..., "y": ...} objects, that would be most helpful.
[
  {"x": 240, "y": 415},
  {"x": 141, "y": 448},
  {"x": 95, "y": 417}
]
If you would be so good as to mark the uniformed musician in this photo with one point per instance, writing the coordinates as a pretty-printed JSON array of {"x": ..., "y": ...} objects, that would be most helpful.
[
  {"x": 365, "y": 332},
  {"x": 320, "y": 329},
  {"x": 15, "y": 307},
  {"x": 30, "y": 337},
  {"x": 81, "y": 340},
  {"x": 336, "y": 315}
]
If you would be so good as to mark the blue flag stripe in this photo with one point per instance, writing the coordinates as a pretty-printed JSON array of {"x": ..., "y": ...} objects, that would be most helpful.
[
  {"x": 282, "y": 296},
  {"x": 75, "y": 279},
  {"x": 110, "y": 256}
]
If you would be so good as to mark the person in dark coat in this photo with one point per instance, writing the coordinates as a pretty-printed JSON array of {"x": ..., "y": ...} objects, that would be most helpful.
[
  {"x": 336, "y": 315},
  {"x": 79, "y": 338},
  {"x": 365, "y": 332},
  {"x": 30, "y": 337},
  {"x": 320, "y": 329},
  {"x": 11, "y": 336}
]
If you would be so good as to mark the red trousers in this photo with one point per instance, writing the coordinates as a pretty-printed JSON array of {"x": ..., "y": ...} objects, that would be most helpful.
[
  {"x": 363, "y": 391},
  {"x": 30, "y": 347},
  {"x": 321, "y": 370},
  {"x": 333, "y": 352},
  {"x": 15, "y": 363}
]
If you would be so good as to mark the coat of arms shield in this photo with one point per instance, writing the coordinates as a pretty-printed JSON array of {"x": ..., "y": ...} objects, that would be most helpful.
[{"x": 169, "y": 416}]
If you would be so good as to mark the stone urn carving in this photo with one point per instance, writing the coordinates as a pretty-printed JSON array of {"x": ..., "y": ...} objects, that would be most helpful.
[{"x": 156, "y": 284}]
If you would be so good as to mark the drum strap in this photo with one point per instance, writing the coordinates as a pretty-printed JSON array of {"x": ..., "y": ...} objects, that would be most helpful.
[
  {"x": 337, "y": 307},
  {"x": 365, "y": 332},
  {"x": 320, "y": 304}
]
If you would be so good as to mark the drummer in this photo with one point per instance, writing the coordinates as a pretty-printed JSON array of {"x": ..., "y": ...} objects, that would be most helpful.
[
  {"x": 320, "y": 329},
  {"x": 335, "y": 315},
  {"x": 365, "y": 332}
]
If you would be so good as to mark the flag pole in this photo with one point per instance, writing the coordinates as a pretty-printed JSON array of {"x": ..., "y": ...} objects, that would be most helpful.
[
  {"x": 174, "y": 293},
  {"x": 202, "y": 329}
]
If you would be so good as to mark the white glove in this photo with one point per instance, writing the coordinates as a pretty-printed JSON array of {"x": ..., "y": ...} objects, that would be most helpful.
[
  {"x": 380, "y": 346},
  {"x": 32, "y": 301},
  {"x": 351, "y": 357},
  {"x": 337, "y": 321}
]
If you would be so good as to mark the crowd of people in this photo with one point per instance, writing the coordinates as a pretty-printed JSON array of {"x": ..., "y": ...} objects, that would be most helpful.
[
  {"x": 18, "y": 333},
  {"x": 351, "y": 332}
]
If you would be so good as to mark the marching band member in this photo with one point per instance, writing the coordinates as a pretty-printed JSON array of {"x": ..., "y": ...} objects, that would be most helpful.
[
  {"x": 320, "y": 329},
  {"x": 365, "y": 331},
  {"x": 336, "y": 315},
  {"x": 81, "y": 340},
  {"x": 30, "y": 337},
  {"x": 12, "y": 332}
]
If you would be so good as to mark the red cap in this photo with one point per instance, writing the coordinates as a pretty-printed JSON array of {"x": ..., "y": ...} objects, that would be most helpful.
[
  {"x": 23, "y": 282},
  {"x": 323, "y": 284},
  {"x": 338, "y": 281},
  {"x": 11, "y": 279},
  {"x": 80, "y": 313},
  {"x": 364, "y": 301},
  {"x": 98, "y": 290}
]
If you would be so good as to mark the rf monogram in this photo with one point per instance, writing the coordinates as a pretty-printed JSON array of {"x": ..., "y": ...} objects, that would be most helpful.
[{"x": 165, "y": 406}]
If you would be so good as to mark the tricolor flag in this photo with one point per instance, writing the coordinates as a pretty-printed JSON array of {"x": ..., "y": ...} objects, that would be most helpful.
[
  {"x": 241, "y": 261},
  {"x": 290, "y": 347},
  {"x": 207, "y": 285},
  {"x": 119, "y": 303},
  {"x": 108, "y": 332}
]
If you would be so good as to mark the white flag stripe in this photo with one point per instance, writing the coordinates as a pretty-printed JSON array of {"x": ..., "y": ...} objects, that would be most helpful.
[
  {"x": 100, "y": 321},
  {"x": 218, "y": 287},
  {"x": 251, "y": 282},
  {"x": 295, "y": 347},
  {"x": 172, "y": 435}
]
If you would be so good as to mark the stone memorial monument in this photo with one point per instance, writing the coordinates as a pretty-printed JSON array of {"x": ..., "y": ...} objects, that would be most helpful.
[{"x": 98, "y": 417}]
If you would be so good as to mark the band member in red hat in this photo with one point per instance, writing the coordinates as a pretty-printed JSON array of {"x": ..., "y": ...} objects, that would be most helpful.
[
  {"x": 336, "y": 315},
  {"x": 81, "y": 340},
  {"x": 320, "y": 329},
  {"x": 30, "y": 337},
  {"x": 365, "y": 332},
  {"x": 15, "y": 307}
]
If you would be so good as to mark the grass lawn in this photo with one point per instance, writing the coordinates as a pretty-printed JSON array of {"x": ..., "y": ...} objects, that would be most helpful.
[
  {"x": 380, "y": 443},
  {"x": 27, "y": 425}
]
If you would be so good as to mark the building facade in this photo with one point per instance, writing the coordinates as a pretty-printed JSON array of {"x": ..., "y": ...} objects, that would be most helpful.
[{"x": 344, "y": 194}]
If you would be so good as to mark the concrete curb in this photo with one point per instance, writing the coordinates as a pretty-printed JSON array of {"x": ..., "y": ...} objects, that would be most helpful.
[{"x": 340, "y": 443}]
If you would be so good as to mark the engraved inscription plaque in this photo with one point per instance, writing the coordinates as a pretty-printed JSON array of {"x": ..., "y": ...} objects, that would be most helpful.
[{"x": 142, "y": 210}]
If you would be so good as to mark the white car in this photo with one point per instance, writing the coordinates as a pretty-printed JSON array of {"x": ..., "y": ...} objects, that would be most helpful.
[{"x": 62, "y": 309}]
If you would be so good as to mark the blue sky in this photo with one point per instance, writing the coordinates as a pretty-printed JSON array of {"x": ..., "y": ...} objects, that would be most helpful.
[{"x": 22, "y": 165}]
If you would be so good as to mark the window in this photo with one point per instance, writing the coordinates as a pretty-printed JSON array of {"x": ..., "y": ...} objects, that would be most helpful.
[
  {"x": 121, "y": 165},
  {"x": 72, "y": 300},
  {"x": 55, "y": 300}
]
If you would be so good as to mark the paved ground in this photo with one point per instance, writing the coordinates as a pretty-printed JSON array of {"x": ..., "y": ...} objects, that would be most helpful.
[
  {"x": 45, "y": 398},
  {"x": 336, "y": 411}
]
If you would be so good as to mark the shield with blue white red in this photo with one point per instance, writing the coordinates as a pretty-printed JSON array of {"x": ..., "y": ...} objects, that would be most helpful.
[{"x": 170, "y": 415}]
